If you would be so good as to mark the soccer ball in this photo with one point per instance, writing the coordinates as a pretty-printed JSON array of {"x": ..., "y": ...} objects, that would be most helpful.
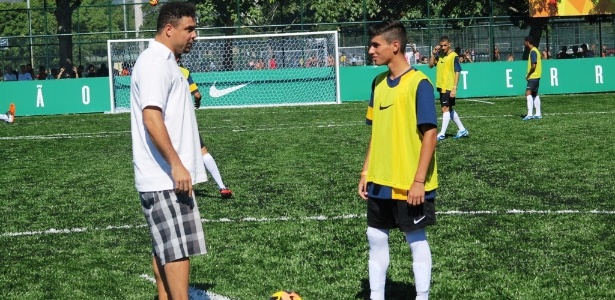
[
  {"x": 285, "y": 295},
  {"x": 153, "y": 2}
]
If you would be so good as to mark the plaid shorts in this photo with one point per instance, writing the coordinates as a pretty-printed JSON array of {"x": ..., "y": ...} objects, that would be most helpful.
[{"x": 176, "y": 229}]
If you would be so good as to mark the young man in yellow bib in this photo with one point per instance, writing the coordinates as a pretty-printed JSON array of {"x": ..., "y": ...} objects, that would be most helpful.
[
  {"x": 399, "y": 177},
  {"x": 534, "y": 71},
  {"x": 448, "y": 68}
]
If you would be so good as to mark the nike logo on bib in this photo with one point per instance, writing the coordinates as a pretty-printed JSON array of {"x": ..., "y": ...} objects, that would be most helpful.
[
  {"x": 385, "y": 107},
  {"x": 216, "y": 93},
  {"x": 416, "y": 221}
]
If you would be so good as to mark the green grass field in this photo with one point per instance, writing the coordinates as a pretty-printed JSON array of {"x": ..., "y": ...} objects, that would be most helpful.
[{"x": 526, "y": 209}]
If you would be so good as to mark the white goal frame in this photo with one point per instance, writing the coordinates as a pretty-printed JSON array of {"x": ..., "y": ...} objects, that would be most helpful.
[{"x": 336, "y": 99}]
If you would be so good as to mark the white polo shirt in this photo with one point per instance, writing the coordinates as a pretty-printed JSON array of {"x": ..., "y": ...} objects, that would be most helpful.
[{"x": 157, "y": 81}]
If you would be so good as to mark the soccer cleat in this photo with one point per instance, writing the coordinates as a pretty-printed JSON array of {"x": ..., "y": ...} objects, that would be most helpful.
[
  {"x": 11, "y": 113},
  {"x": 538, "y": 117},
  {"x": 226, "y": 193},
  {"x": 462, "y": 133},
  {"x": 527, "y": 118},
  {"x": 441, "y": 137}
]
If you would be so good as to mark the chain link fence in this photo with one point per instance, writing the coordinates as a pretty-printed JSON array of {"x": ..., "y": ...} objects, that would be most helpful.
[{"x": 37, "y": 37}]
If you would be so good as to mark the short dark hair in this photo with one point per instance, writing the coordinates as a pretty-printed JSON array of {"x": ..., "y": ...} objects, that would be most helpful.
[
  {"x": 529, "y": 39},
  {"x": 444, "y": 38},
  {"x": 390, "y": 30},
  {"x": 172, "y": 12}
]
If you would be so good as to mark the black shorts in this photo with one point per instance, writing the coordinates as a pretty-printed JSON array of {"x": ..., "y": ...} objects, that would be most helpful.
[
  {"x": 532, "y": 85},
  {"x": 389, "y": 214},
  {"x": 446, "y": 99}
]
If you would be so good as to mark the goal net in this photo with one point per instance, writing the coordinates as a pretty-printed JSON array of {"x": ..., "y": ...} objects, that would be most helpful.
[{"x": 247, "y": 70}]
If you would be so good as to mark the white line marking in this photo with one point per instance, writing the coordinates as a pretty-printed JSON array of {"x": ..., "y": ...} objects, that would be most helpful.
[
  {"x": 481, "y": 101},
  {"x": 316, "y": 218},
  {"x": 192, "y": 290}
]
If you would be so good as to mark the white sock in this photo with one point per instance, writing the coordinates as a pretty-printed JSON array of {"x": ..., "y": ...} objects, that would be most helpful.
[
  {"x": 530, "y": 105},
  {"x": 378, "y": 262},
  {"x": 457, "y": 120},
  {"x": 446, "y": 117},
  {"x": 421, "y": 262},
  {"x": 537, "y": 105},
  {"x": 212, "y": 168}
]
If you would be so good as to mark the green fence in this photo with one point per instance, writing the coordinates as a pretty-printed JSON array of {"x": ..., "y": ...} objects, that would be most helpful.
[{"x": 499, "y": 79}]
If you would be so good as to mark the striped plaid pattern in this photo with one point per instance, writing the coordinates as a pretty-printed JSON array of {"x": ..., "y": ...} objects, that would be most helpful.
[{"x": 176, "y": 230}]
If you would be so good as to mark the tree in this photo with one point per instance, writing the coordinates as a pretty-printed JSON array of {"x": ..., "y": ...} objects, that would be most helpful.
[{"x": 64, "y": 16}]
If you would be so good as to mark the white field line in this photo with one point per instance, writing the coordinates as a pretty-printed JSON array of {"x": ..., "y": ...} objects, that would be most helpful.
[
  {"x": 193, "y": 290},
  {"x": 316, "y": 218},
  {"x": 480, "y": 101},
  {"x": 263, "y": 127}
]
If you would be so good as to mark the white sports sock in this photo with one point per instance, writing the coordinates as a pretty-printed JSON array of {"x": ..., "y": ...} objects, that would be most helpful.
[
  {"x": 455, "y": 116},
  {"x": 537, "y": 105},
  {"x": 212, "y": 167},
  {"x": 530, "y": 105},
  {"x": 421, "y": 261},
  {"x": 446, "y": 117},
  {"x": 378, "y": 261}
]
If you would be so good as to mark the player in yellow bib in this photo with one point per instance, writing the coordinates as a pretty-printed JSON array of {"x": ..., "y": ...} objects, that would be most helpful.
[
  {"x": 448, "y": 68},
  {"x": 208, "y": 160},
  {"x": 399, "y": 177},
  {"x": 534, "y": 71}
]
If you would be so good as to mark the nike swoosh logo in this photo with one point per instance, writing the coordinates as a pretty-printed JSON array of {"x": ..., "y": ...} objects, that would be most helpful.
[
  {"x": 216, "y": 93},
  {"x": 419, "y": 220},
  {"x": 385, "y": 107}
]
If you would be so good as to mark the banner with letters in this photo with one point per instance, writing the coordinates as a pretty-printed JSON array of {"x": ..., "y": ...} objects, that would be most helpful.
[
  {"x": 53, "y": 97},
  {"x": 499, "y": 79}
]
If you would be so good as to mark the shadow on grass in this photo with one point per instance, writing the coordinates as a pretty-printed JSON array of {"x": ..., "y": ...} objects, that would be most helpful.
[
  {"x": 197, "y": 291},
  {"x": 393, "y": 290}
]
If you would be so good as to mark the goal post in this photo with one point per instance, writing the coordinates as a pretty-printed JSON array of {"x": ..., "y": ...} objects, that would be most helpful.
[{"x": 244, "y": 70}]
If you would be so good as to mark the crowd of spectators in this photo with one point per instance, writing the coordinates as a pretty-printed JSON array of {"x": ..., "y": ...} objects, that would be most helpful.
[{"x": 65, "y": 71}]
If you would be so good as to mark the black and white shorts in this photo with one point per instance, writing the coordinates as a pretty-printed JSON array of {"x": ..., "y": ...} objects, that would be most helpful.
[
  {"x": 175, "y": 228},
  {"x": 389, "y": 214}
]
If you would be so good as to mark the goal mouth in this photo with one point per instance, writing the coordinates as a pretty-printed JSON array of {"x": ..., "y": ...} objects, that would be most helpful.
[{"x": 246, "y": 70}]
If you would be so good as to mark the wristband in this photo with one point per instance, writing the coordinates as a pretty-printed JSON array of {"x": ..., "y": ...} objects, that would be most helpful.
[{"x": 421, "y": 182}]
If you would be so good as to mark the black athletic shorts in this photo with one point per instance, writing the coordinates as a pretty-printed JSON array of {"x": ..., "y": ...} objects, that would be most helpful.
[
  {"x": 533, "y": 85},
  {"x": 446, "y": 99},
  {"x": 389, "y": 214}
]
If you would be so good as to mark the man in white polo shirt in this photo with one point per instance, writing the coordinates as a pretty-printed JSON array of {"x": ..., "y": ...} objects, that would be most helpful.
[{"x": 166, "y": 150}]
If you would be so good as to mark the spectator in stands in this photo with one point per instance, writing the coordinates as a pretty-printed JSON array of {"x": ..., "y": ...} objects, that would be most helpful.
[
  {"x": 42, "y": 73},
  {"x": 24, "y": 74},
  {"x": 353, "y": 60},
  {"x": 103, "y": 71},
  {"x": 53, "y": 74},
  {"x": 603, "y": 50},
  {"x": 311, "y": 62},
  {"x": 80, "y": 70},
  {"x": 545, "y": 54},
  {"x": 273, "y": 63},
  {"x": 510, "y": 57},
  {"x": 562, "y": 54},
  {"x": 30, "y": 70},
  {"x": 586, "y": 52},
  {"x": 90, "y": 71},
  {"x": 343, "y": 59},
  {"x": 576, "y": 53},
  {"x": 9, "y": 74},
  {"x": 468, "y": 57},
  {"x": 260, "y": 64},
  {"x": 330, "y": 61},
  {"x": 424, "y": 60},
  {"x": 496, "y": 53}
]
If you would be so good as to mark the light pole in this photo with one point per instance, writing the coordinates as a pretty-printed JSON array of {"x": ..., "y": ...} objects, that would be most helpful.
[{"x": 30, "y": 33}]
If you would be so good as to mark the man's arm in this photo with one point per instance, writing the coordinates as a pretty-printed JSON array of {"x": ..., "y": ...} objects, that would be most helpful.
[
  {"x": 457, "y": 68},
  {"x": 154, "y": 123},
  {"x": 362, "y": 189},
  {"x": 416, "y": 194}
]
